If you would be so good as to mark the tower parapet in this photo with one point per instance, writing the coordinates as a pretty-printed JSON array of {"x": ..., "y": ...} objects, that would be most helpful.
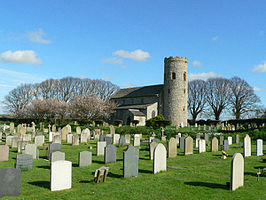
[{"x": 175, "y": 90}]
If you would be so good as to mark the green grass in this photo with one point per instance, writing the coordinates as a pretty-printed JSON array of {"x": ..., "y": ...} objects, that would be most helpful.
[{"x": 200, "y": 180}]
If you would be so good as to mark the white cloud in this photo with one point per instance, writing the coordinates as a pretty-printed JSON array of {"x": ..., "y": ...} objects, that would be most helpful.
[
  {"x": 20, "y": 57},
  {"x": 6, "y": 86},
  {"x": 259, "y": 68},
  {"x": 124, "y": 67},
  {"x": 203, "y": 76},
  {"x": 257, "y": 89},
  {"x": 128, "y": 85},
  {"x": 196, "y": 63},
  {"x": 215, "y": 38},
  {"x": 107, "y": 78},
  {"x": 37, "y": 37},
  {"x": 113, "y": 61},
  {"x": 137, "y": 55}
]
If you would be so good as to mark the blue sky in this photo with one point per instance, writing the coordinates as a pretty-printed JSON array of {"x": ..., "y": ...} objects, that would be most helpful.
[{"x": 126, "y": 41}]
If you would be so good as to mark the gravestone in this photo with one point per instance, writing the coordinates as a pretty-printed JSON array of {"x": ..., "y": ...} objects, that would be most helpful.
[
  {"x": 75, "y": 140},
  {"x": 21, "y": 146},
  {"x": 69, "y": 128},
  {"x": 116, "y": 138},
  {"x": 197, "y": 142},
  {"x": 152, "y": 147},
  {"x": 259, "y": 147},
  {"x": 61, "y": 175},
  {"x": 53, "y": 148},
  {"x": 177, "y": 137},
  {"x": 247, "y": 146},
  {"x": 206, "y": 137},
  {"x": 100, "y": 148},
  {"x": 4, "y": 153},
  {"x": 102, "y": 138},
  {"x": 39, "y": 140},
  {"x": 24, "y": 162},
  {"x": 188, "y": 146},
  {"x": 108, "y": 140},
  {"x": 159, "y": 161},
  {"x": 136, "y": 141},
  {"x": 110, "y": 154},
  {"x": 11, "y": 127},
  {"x": 10, "y": 184},
  {"x": 85, "y": 158},
  {"x": 14, "y": 142},
  {"x": 57, "y": 139},
  {"x": 202, "y": 146},
  {"x": 230, "y": 140},
  {"x": 54, "y": 128},
  {"x": 83, "y": 138},
  {"x": 214, "y": 145},
  {"x": 65, "y": 131},
  {"x": 26, "y": 137},
  {"x": 69, "y": 138},
  {"x": 57, "y": 155},
  {"x": 22, "y": 130},
  {"x": 237, "y": 171},
  {"x": 182, "y": 142},
  {"x": 9, "y": 140},
  {"x": 112, "y": 130},
  {"x": 122, "y": 141},
  {"x": 127, "y": 137},
  {"x": 237, "y": 139},
  {"x": 131, "y": 162},
  {"x": 87, "y": 131},
  {"x": 221, "y": 141},
  {"x": 172, "y": 147},
  {"x": 226, "y": 145},
  {"x": 78, "y": 130},
  {"x": 31, "y": 149}
]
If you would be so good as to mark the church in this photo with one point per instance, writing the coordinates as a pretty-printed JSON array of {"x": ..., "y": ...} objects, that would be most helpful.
[{"x": 168, "y": 99}]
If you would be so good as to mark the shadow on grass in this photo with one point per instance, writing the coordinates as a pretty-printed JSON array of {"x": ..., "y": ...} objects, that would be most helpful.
[
  {"x": 145, "y": 171},
  {"x": 144, "y": 158},
  {"x": 87, "y": 181},
  {"x": 210, "y": 185},
  {"x": 44, "y": 184},
  {"x": 75, "y": 165},
  {"x": 260, "y": 167},
  {"x": 110, "y": 174},
  {"x": 98, "y": 161},
  {"x": 44, "y": 167},
  {"x": 251, "y": 174}
]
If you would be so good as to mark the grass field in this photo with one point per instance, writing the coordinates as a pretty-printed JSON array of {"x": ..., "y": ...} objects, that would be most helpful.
[{"x": 204, "y": 177}]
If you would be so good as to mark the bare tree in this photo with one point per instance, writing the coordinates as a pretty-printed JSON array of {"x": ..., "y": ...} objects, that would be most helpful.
[
  {"x": 242, "y": 97},
  {"x": 196, "y": 97},
  {"x": 218, "y": 93}
]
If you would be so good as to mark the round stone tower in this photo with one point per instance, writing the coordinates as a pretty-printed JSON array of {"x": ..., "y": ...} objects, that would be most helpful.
[{"x": 175, "y": 90}]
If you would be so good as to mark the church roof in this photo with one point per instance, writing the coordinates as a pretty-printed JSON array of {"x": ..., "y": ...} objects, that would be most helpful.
[
  {"x": 135, "y": 106},
  {"x": 136, "y": 112},
  {"x": 152, "y": 90}
]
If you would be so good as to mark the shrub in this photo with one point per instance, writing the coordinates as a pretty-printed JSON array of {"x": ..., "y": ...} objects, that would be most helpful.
[{"x": 157, "y": 122}]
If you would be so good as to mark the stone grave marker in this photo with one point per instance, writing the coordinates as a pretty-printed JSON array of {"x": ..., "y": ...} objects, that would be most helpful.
[
  {"x": 22, "y": 130},
  {"x": 14, "y": 142},
  {"x": 221, "y": 141},
  {"x": 69, "y": 138},
  {"x": 9, "y": 140},
  {"x": 24, "y": 162},
  {"x": 122, "y": 141},
  {"x": 172, "y": 147},
  {"x": 87, "y": 131},
  {"x": 108, "y": 140},
  {"x": 31, "y": 149},
  {"x": 61, "y": 175},
  {"x": 85, "y": 158},
  {"x": 214, "y": 144},
  {"x": 206, "y": 137},
  {"x": 10, "y": 184},
  {"x": 259, "y": 147},
  {"x": 110, "y": 154},
  {"x": 127, "y": 137},
  {"x": 78, "y": 130},
  {"x": 100, "y": 148},
  {"x": 226, "y": 145},
  {"x": 182, "y": 142},
  {"x": 57, "y": 139},
  {"x": 197, "y": 142},
  {"x": 75, "y": 140},
  {"x": 202, "y": 146},
  {"x": 237, "y": 139},
  {"x": 83, "y": 138},
  {"x": 112, "y": 130},
  {"x": 130, "y": 162},
  {"x": 177, "y": 137},
  {"x": 159, "y": 161},
  {"x": 102, "y": 138},
  {"x": 247, "y": 146},
  {"x": 188, "y": 146},
  {"x": 54, "y": 128},
  {"x": 237, "y": 171},
  {"x": 152, "y": 147},
  {"x": 4, "y": 153},
  {"x": 57, "y": 155},
  {"x": 11, "y": 127},
  {"x": 65, "y": 131},
  {"x": 39, "y": 140},
  {"x": 21, "y": 146},
  {"x": 69, "y": 128},
  {"x": 116, "y": 138},
  {"x": 230, "y": 140},
  {"x": 53, "y": 148},
  {"x": 136, "y": 141}
]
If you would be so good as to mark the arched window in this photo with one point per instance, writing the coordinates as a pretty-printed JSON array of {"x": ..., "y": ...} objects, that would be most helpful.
[
  {"x": 153, "y": 113},
  {"x": 185, "y": 76},
  {"x": 173, "y": 77}
]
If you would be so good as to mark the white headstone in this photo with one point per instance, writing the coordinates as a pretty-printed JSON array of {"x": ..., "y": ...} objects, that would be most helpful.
[
  {"x": 116, "y": 138},
  {"x": 136, "y": 141},
  {"x": 100, "y": 148},
  {"x": 202, "y": 146},
  {"x": 159, "y": 158},
  {"x": 247, "y": 146},
  {"x": 259, "y": 148},
  {"x": 237, "y": 171},
  {"x": 230, "y": 140},
  {"x": 31, "y": 149}
]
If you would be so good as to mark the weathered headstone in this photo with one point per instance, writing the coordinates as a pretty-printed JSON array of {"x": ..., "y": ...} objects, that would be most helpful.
[
  {"x": 83, "y": 138},
  {"x": 214, "y": 144},
  {"x": 57, "y": 139},
  {"x": 102, "y": 138},
  {"x": 9, "y": 140},
  {"x": 159, "y": 161},
  {"x": 172, "y": 147},
  {"x": 31, "y": 149},
  {"x": 206, "y": 137},
  {"x": 230, "y": 140},
  {"x": 11, "y": 127},
  {"x": 53, "y": 148},
  {"x": 14, "y": 142},
  {"x": 237, "y": 171},
  {"x": 221, "y": 141},
  {"x": 202, "y": 146},
  {"x": 78, "y": 130},
  {"x": 226, "y": 145},
  {"x": 85, "y": 158},
  {"x": 100, "y": 148},
  {"x": 22, "y": 130},
  {"x": 39, "y": 140},
  {"x": 112, "y": 129},
  {"x": 247, "y": 146},
  {"x": 122, "y": 141},
  {"x": 131, "y": 162},
  {"x": 65, "y": 131},
  {"x": 177, "y": 137},
  {"x": 69, "y": 138},
  {"x": 259, "y": 147},
  {"x": 116, "y": 138},
  {"x": 61, "y": 175},
  {"x": 21, "y": 146},
  {"x": 152, "y": 147},
  {"x": 188, "y": 146},
  {"x": 87, "y": 131},
  {"x": 127, "y": 137},
  {"x": 4, "y": 153},
  {"x": 108, "y": 140},
  {"x": 69, "y": 128},
  {"x": 182, "y": 142},
  {"x": 75, "y": 140},
  {"x": 237, "y": 139},
  {"x": 197, "y": 142},
  {"x": 10, "y": 184},
  {"x": 136, "y": 141},
  {"x": 110, "y": 154},
  {"x": 24, "y": 162},
  {"x": 54, "y": 128},
  {"x": 57, "y": 155}
]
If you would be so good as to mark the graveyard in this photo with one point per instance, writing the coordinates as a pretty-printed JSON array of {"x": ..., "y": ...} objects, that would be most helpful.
[{"x": 191, "y": 172}]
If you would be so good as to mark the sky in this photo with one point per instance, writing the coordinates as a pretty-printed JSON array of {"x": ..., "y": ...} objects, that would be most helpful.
[{"x": 125, "y": 41}]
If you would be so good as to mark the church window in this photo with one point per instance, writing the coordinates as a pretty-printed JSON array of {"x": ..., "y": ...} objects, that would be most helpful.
[
  {"x": 185, "y": 76},
  {"x": 184, "y": 91},
  {"x": 173, "y": 77},
  {"x": 184, "y": 109}
]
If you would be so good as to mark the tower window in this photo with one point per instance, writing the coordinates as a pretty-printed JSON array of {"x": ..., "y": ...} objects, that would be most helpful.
[
  {"x": 184, "y": 109},
  {"x": 173, "y": 77},
  {"x": 184, "y": 91},
  {"x": 168, "y": 91},
  {"x": 185, "y": 76}
]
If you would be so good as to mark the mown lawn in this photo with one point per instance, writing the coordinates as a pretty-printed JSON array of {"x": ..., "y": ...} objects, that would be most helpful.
[{"x": 204, "y": 177}]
